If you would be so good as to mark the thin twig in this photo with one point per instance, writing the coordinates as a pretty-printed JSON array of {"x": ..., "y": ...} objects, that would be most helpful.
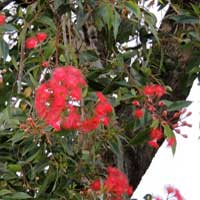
[
  {"x": 21, "y": 62},
  {"x": 64, "y": 32}
]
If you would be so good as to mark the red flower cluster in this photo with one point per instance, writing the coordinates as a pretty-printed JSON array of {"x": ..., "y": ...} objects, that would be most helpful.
[
  {"x": 41, "y": 36},
  {"x": 55, "y": 98},
  {"x": 173, "y": 192},
  {"x": 2, "y": 19},
  {"x": 33, "y": 41},
  {"x": 156, "y": 134},
  {"x": 101, "y": 112},
  {"x": 116, "y": 184},
  {"x": 51, "y": 97},
  {"x": 154, "y": 90}
]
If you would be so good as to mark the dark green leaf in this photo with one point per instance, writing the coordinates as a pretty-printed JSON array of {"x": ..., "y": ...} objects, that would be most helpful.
[
  {"x": 4, "y": 49},
  {"x": 140, "y": 138},
  {"x": 133, "y": 7},
  {"x": 88, "y": 56},
  {"x": 20, "y": 195},
  {"x": 116, "y": 23},
  {"x": 177, "y": 105},
  {"x": 4, "y": 192}
]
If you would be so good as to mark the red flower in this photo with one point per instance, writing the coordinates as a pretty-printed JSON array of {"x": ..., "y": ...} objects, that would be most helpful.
[
  {"x": 50, "y": 102},
  {"x": 45, "y": 64},
  {"x": 156, "y": 133},
  {"x": 105, "y": 120},
  {"x": 116, "y": 183},
  {"x": 31, "y": 42},
  {"x": 136, "y": 103},
  {"x": 159, "y": 90},
  {"x": 153, "y": 143},
  {"x": 72, "y": 121},
  {"x": 130, "y": 190},
  {"x": 76, "y": 93},
  {"x": 178, "y": 195},
  {"x": 138, "y": 113},
  {"x": 151, "y": 108},
  {"x": 158, "y": 198},
  {"x": 161, "y": 103},
  {"x": 90, "y": 124},
  {"x": 96, "y": 185},
  {"x": 2, "y": 19},
  {"x": 149, "y": 90},
  {"x": 101, "y": 97},
  {"x": 41, "y": 36},
  {"x": 170, "y": 189},
  {"x": 70, "y": 77},
  {"x": 102, "y": 109},
  {"x": 171, "y": 141}
]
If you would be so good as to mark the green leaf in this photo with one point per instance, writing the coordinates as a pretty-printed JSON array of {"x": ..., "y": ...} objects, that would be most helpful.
[
  {"x": 133, "y": 7},
  {"x": 17, "y": 137},
  {"x": 105, "y": 12},
  {"x": 7, "y": 28},
  {"x": 177, "y": 105},
  {"x": 49, "y": 49},
  {"x": 88, "y": 56},
  {"x": 155, "y": 123},
  {"x": 4, "y": 49},
  {"x": 47, "y": 21},
  {"x": 14, "y": 167},
  {"x": 20, "y": 195},
  {"x": 168, "y": 132},
  {"x": 185, "y": 19},
  {"x": 4, "y": 192},
  {"x": 116, "y": 23},
  {"x": 141, "y": 137}
]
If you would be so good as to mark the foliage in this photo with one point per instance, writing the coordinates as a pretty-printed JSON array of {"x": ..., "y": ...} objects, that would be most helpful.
[{"x": 42, "y": 162}]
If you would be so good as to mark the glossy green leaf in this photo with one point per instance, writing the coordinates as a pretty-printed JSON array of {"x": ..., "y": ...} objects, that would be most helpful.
[
  {"x": 20, "y": 195},
  {"x": 177, "y": 105},
  {"x": 140, "y": 138},
  {"x": 88, "y": 56},
  {"x": 116, "y": 22},
  {"x": 4, "y": 49},
  {"x": 134, "y": 8},
  {"x": 168, "y": 132}
]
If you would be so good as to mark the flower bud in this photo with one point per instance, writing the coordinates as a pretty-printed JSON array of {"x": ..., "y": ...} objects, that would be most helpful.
[
  {"x": 164, "y": 113},
  {"x": 176, "y": 115},
  {"x": 161, "y": 103},
  {"x": 136, "y": 103}
]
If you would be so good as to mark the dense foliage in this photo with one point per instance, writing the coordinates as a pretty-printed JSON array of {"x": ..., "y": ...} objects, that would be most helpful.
[{"x": 75, "y": 96}]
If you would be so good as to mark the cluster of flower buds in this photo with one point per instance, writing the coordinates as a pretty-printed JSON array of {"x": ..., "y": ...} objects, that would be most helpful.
[
  {"x": 158, "y": 111},
  {"x": 30, "y": 126}
]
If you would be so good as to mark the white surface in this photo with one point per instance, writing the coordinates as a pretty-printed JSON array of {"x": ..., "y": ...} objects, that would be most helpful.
[{"x": 183, "y": 169}]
